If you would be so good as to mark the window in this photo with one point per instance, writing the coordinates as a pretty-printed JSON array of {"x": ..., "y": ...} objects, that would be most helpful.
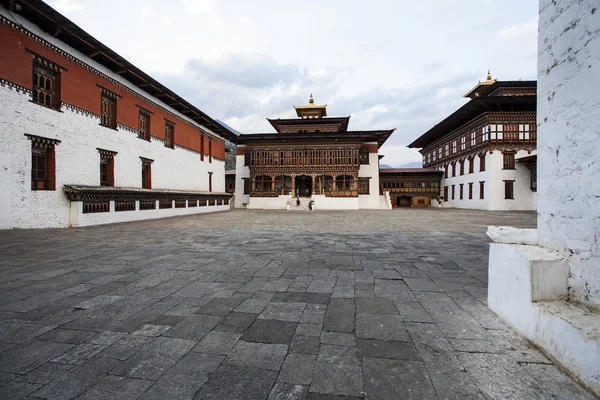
[
  {"x": 445, "y": 193},
  {"x": 363, "y": 156},
  {"x": 463, "y": 143},
  {"x": 508, "y": 160},
  {"x": 107, "y": 167},
  {"x": 440, "y": 153},
  {"x": 246, "y": 157},
  {"x": 454, "y": 147},
  {"x": 485, "y": 135},
  {"x": 202, "y": 151},
  {"x": 169, "y": 134},
  {"x": 446, "y": 171},
  {"x": 43, "y": 163},
  {"x": 108, "y": 110},
  {"x": 471, "y": 165},
  {"x": 481, "y": 189},
  {"x": 146, "y": 173},
  {"x": 533, "y": 179},
  {"x": 462, "y": 167},
  {"x": 247, "y": 185},
  {"x": 447, "y": 150},
  {"x": 461, "y": 191},
  {"x": 428, "y": 158},
  {"x": 482, "y": 163},
  {"x": 509, "y": 193},
  {"x": 144, "y": 124},
  {"x": 471, "y": 191},
  {"x": 210, "y": 174},
  {"x": 363, "y": 185},
  {"x": 496, "y": 132},
  {"x": 46, "y": 83},
  {"x": 453, "y": 191},
  {"x": 209, "y": 150},
  {"x": 472, "y": 139},
  {"x": 524, "y": 131},
  {"x": 454, "y": 169}
]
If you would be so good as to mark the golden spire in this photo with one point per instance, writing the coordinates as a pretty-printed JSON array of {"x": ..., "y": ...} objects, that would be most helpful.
[
  {"x": 311, "y": 101},
  {"x": 489, "y": 76}
]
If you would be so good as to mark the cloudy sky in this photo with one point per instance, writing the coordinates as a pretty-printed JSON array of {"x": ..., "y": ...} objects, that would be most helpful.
[{"x": 401, "y": 64}]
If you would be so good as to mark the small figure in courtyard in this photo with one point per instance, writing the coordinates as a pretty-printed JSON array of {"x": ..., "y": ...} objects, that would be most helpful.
[
  {"x": 297, "y": 201},
  {"x": 307, "y": 192}
]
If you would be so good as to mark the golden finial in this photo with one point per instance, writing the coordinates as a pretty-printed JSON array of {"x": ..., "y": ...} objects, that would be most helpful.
[
  {"x": 311, "y": 101},
  {"x": 489, "y": 76}
]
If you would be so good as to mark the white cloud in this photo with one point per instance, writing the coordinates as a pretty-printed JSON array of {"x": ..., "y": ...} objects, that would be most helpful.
[
  {"x": 200, "y": 6},
  {"x": 146, "y": 11},
  {"x": 67, "y": 6},
  {"x": 524, "y": 29}
]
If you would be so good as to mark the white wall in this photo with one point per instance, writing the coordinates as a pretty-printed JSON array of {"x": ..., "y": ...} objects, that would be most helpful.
[
  {"x": 370, "y": 201},
  {"x": 274, "y": 203},
  {"x": 569, "y": 139},
  {"x": 494, "y": 177},
  {"x": 336, "y": 203},
  {"x": 241, "y": 171},
  {"x": 78, "y": 161}
]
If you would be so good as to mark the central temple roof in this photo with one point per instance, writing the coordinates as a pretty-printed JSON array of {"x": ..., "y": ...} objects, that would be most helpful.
[{"x": 311, "y": 110}]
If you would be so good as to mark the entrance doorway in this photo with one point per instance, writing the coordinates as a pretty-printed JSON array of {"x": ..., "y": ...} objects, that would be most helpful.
[
  {"x": 403, "y": 201},
  {"x": 303, "y": 186}
]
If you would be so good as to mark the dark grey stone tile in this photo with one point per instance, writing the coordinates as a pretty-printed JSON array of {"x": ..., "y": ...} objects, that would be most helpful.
[
  {"x": 337, "y": 379},
  {"x": 217, "y": 342},
  {"x": 319, "y": 396},
  {"x": 298, "y": 369},
  {"x": 257, "y": 355},
  {"x": 251, "y": 306},
  {"x": 28, "y": 356},
  {"x": 383, "y": 327},
  {"x": 396, "y": 379},
  {"x": 194, "y": 327},
  {"x": 376, "y": 306},
  {"x": 236, "y": 322},
  {"x": 24, "y": 332},
  {"x": 76, "y": 381},
  {"x": 126, "y": 347},
  {"x": 185, "y": 378},
  {"x": 412, "y": 311},
  {"x": 270, "y": 331},
  {"x": 46, "y": 373},
  {"x": 17, "y": 390},
  {"x": 556, "y": 383},
  {"x": 341, "y": 339},
  {"x": 80, "y": 353},
  {"x": 309, "y": 329},
  {"x": 220, "y": 306},
  {"x": 67, "y": 336},
  {"x": 309, "y": 298},
  {"x": 151, "y": 361},
  {"x": 166, "y": 319},
  {"x": 340, "y": 316},
  {"x": 288, "y": 391},
  {"x": 387, "y": 349},
  {"x": 237, "y": 383},
  {"x": 305, "y": 345},
  {"x": 283, "y": 311},
  {"x": 332, "y": 354},
  {"x": 116, "y": 388}
]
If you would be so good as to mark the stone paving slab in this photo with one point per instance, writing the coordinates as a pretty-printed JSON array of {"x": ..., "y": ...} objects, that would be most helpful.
[{"x": 264, "y": 305}]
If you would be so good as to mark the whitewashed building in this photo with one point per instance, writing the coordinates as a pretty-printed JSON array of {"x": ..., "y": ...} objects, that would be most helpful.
[
  {"x": 88, "y": 138},
  {"x": 313, "y": 158},
  {"x": 487, "y": 148},
  {"x": 545, "y": 282}
]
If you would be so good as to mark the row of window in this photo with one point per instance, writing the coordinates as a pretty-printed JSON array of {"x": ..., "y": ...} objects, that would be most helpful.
[
  {"x": 508, "y": 132},
  {"x": 508, "y": 162},
  {"x": 306, "y": 157},
  {"x": 43, "y": 167},
  {"x": 46, "y": 91},
  {"x": 391, "y": 185},
  {"x": 509, "y": 193},
  {"x": 266, "y": 183}
]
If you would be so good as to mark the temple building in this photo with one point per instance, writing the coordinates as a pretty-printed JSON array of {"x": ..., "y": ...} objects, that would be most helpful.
[
  {"x": 411, "y": 187},
  {"x": 487, "y": 148},
  {"x": 88, "y": 138},
  {"x": 313, "y": 157}
]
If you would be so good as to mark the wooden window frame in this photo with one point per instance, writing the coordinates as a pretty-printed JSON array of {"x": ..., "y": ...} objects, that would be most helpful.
[
  {"x": 146, "y": 172},
  {"x": 470, "y": 190},
  {"x": 144, "y": 124},
  {"x": 107, "y": 167},
  {"x": 202, "y": 148},
  {"x": 453, "y": 169},
  {"x": 482, "y": 163},
  {"x": 461, "y": 191},
  {"x": 210, "y": 150},
  {"x": 471, "y": 165},
  {"x": 509, "y": 190},
  {"x": 210, "y": 175},
  {"x": 462, "y": 167},
  {"x": 508, "y": 160},
  {"x": 169, "y": 134},
  {"x": 453, "y": 191},
  {"x": 481, "y": 190},
  {"x": 108, "y": 110},
  {"x": 43, "y": 162},
  {"x": 45, "y": 74}
]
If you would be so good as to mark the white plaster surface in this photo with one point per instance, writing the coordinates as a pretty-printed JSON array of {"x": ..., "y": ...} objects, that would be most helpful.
[
  {"x": 241, "y": 171},
  {"x": 527, "y": 288},
  {"x": 510, "y": 235},
  {"x": 78, "y": 161},
  {"x": 569, "y": 139},
  {"x": 273, "y": 203},
  {"x": 494, "y": 177}
]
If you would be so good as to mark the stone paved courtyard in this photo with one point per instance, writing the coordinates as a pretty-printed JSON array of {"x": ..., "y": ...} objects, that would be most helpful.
[{"x": 257, "y": 305}]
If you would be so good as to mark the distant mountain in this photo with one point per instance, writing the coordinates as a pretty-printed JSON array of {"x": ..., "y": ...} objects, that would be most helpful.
[
  {"x": 385, "y": 166},
  {"x": 414, "y": 164}
]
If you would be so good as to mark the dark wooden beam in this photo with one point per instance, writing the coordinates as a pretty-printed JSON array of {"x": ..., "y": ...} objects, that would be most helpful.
[
  {"x": 93, "y": 54},
  {"x": 122, "y": 71},
  {"x": 57, "y": 31},
  {"x": 11, "y": 5}
]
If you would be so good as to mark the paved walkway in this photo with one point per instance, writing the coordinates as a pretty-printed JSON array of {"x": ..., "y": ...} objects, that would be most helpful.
[{"x": 256, "y": 305}]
